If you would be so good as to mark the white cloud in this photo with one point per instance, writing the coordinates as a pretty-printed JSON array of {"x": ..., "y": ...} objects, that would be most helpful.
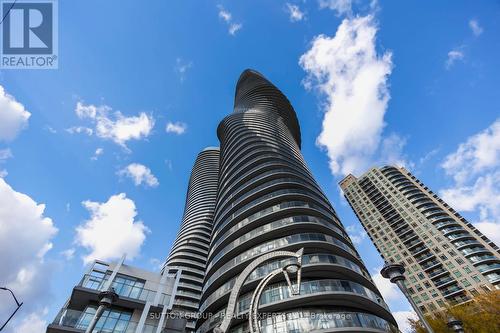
[
  {"x": 33, "y": 323},
  {"x": 295, "y": 13},
  {"x": 111, "y": 230},
  {"x": 475, "y": 169},
  {"x": 454, "y": 56},
  {"x": 13, "y": 116},
  {"x": 227, "y": 17},
  {"x": 391, "y": 152},
  {"x": 356, "y": 233},
  {"x": 224, "y": 14},
  {"x": 234, "y": 27},
  {"x": 156, "y": 263},
  {"x": 490, "y": 229},
  {"x": 424, "y": 159},
  {"x": 113, "y": 125},
  {"x": 98, "y": 152},
  {"x": 340, "y": 6},
  {"x": 80, "y": 130},
  {"x": 50, "y": 129},
  {"x": 347, "y": 70},
  {"x": 5, "y": 154},
  {"x": 69, "y": 253},
  {"x": 477, "y": 30},
  {"x": 482, "y": 196},
  {"x": 181, "y": 68},
  {"x": 402, "y": 320},
  {"x": 25, "y": 237},
  {"x": 176, "y": 128},
  {"x": 140, "y": 174},
  {"x": 389, "y": 290},
  {"x": 169, "y": 164},
  {"x": 481, "y": 152}
]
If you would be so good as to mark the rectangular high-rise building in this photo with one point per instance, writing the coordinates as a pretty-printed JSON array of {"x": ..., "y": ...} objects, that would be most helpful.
[{"x": 447, "y": 259}]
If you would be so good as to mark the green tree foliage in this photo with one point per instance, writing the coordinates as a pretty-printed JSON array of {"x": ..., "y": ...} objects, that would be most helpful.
[{"x": 480, "y": 315}]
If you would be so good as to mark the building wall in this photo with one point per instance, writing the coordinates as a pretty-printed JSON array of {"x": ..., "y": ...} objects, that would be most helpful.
[{"x": 411, "y": 225}]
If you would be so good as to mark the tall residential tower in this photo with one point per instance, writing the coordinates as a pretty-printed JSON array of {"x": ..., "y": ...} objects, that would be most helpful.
[
  {"x": 268, "y": 200},
  {"x": 189, "y": 252},
  {"x": 446, "y": 258}
]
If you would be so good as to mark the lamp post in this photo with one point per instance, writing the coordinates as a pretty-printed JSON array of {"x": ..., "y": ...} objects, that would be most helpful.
[
  {"x": 456, "y": 325},
  {"x": 395, "y": 273},
  {"x": 106, "y": 299},
  {"x": 17, "y": 303}
]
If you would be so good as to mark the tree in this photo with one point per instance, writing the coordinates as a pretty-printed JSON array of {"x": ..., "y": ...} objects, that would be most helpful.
[{"x": 480, "y": 315}]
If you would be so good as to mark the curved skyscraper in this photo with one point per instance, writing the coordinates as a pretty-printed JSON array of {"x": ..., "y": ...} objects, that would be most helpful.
[
  {"x": 189, "y": 252},
  {"x": 268, "y": 200}
]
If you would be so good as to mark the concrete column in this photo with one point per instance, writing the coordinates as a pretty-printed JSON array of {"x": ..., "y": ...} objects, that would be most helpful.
[
  {"x": 108, "y": 283},
  {"x": 144, "y": 315}
]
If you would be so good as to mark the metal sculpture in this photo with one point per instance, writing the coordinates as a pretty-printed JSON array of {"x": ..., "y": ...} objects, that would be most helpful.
[{"x": 253, "y": 314}]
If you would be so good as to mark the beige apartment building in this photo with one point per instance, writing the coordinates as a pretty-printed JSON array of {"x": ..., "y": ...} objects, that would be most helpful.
[{"x": 447, "y": 259}]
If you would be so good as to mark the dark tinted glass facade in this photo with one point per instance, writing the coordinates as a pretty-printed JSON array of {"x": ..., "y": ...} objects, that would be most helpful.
[
  {"x": 267, "y": 200},
  {"x": 190, "y": 249}
]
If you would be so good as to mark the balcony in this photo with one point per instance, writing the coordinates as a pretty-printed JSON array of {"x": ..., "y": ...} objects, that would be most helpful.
[
  {"x": 447, "y": 223},
  {"x": 466, "y": 243},
  {"x": 488, "y": 268},
  {"x": 439, "y": 217},
  {"x": 130, "y": 296},
  {"x": 412, "y": 191},
  {"x": 395, "y": 220},
  {"x": 413, "y": 243},
  {"x": 392, "y": 214},
  {"x": 453, "y": 237},
  {"x": 446, "y": 231},
  {"x": 474, "y": 250},
  {"x": 408, "y": 237},
  {"x": 431, "y": 212},
  {"x": 430, "y": 264},
  {"x": 424, "y": 258},
  {"x": 480, "y": 259},
  {"x": 69, "y": 320},
  {"x": 426, "y": 206},
  {"x": 418, "y": 250},
  {"x": 437, "y": 272},
  {"x": 444, "y": 282},
  {"x": 453, "y": 290},
  {"x": 402, "y": 230}
]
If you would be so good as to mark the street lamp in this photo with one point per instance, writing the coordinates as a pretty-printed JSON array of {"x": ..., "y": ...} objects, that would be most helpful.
[
  {"x": 395, "y": 273},
  {"x": 18, "y": 306},
  {"x": 456, "y": 325},
  {"x": 106, "y": 299}
]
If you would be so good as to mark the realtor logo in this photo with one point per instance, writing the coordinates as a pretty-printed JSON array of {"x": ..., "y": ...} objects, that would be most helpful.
[{"x": 29, "y": 34}]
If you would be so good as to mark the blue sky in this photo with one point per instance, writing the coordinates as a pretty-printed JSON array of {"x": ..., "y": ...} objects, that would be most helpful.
[{"x": 104, "y": 144}]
